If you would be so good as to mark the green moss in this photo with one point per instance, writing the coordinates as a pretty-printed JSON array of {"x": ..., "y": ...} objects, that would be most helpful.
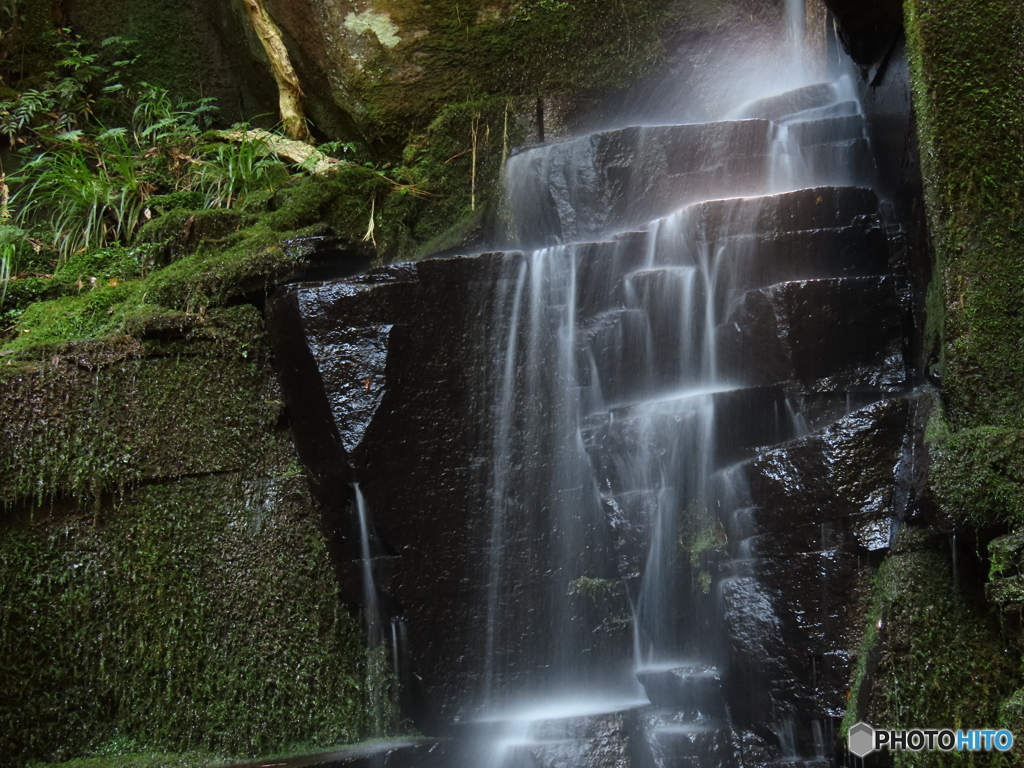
[
  {"x": 180, "y": 231},
  {"x": 596, "y": 589},
  {"x": 1012, "y": 715},
  {"x": 478, "y": 48},
  {"x": 932, "y": 654},
  {"x": 968, "y": 75},
  {"x": 1006, "y": 556},
  {"x": 604, "y": 599},
  {"x": 164, "y": 584},
  {"x": 87, "y": 418},
  {"x": 104, "y": 265},
  {"x": 195, "y": 615},
  {"x": 977, "y": 476},
  {"x": 456, "y": 163},
  {"x": 141, "y": 761},
  {"x": 211, "y": 257}
]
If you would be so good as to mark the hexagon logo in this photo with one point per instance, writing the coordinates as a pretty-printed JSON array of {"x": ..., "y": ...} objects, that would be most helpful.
[{"x": 861, "y": 739}]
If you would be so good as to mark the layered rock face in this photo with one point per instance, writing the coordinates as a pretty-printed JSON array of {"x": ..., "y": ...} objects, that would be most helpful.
[{"x": 662, "y": 448}]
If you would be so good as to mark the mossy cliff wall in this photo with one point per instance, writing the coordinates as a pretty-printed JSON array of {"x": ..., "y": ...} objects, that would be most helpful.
[
  {"x": 969, "y": 75},
  {"x": 944, "y": 639},
  {"x": 164, "y": 582},
  {"x": 195, "y": 48},
  {"x": 392, "y": 65}
]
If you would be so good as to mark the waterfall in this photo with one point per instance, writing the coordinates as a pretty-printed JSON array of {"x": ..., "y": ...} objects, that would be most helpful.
[
  {"x": 621, "y": 393},
  {"x": 610, "y": 460}
]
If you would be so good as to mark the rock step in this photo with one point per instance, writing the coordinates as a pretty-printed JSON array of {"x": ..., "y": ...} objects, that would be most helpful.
[
  {"x": 695, "y": 690},
  {"x": 826, "y": 477},
  {"x": 819, "y": 207},
  {"x": 814, "y": 329},
  {"x": 840, "y": 162},
  {"x": 677, "y": 429},
  {"x": 859, "y": 248},
  {"x": 843, "y": 217},
  {"x": 613, "y": 179},
  {"x": 781, "y": 105},
  {"x": 838, "y": 109},
  {"x": 622, "y": 178},
  {"x": 674, "y": 742},
  {"x": 821, "y": 335},
  {"x": 827, "y": 130},
  {"x": 607, "y": 270}
]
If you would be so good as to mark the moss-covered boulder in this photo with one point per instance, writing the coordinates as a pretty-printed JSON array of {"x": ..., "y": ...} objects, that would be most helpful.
[
  {"x": 164, "y": 582},
  {"x": 933, "y": 655},
  {"x": 392, "y": 65},
  {"x": 195, "y": 49}
]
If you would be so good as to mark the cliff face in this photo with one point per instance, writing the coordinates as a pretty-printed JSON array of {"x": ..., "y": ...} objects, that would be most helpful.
[
  {"x": 168, "y": 583},
  {"x": 384, "y": 68},
  {"x": 165, "y": 582},
  {"x": 164, "y": 574},
  {"x": 943, "y": 639}
]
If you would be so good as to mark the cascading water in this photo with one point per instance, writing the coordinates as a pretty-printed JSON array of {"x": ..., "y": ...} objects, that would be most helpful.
[
  {"x": 614, "y": 386},
  {"x": 616, "y": 466}
]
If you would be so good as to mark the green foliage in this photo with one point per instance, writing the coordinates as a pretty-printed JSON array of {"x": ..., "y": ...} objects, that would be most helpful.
[
  {"x": 227, "y": 173},
  {"x": 596, "y": 589},
  {"x": 85, "y": 193},
  {"x": 127, "y": 759},
  {"x": 90, "y": 191},
  {"x": 1006, "y": 556},
  {"x": 65, "y": 97},
  {"x": 457, "y": 163}
]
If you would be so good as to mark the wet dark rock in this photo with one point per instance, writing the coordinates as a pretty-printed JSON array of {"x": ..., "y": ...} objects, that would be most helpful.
[
  {"x": 629, "y": 516},
  {"x": 742, "y": 420},
  {"x": 693, "y": 689},
  {"x": 812, "y": 329},
  {"x": 830, "y": 162},
  {"x": 825, "y": 130},
  {"x": 854, "y": 250},
  {"x": 677, "y": 743},
  {"x": 615, "y": 179},
  {"x": 601, "y": 741},
  {"x": 813, "y": 208},
  {"x": 846, "y": 471},
  {"x": 867, "y": 29},
  {"x": 790, "y": 102},
  {"x": 790, "y": 601}
]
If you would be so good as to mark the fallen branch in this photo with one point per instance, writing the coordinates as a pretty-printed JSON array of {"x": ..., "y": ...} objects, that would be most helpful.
[{"x": 298, "y": 152}]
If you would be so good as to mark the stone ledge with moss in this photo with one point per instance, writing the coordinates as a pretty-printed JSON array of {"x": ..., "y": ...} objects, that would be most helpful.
[{"x": 165, "y": 581}]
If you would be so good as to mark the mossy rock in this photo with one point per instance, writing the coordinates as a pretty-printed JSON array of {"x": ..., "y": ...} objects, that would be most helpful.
[
  {"x": 89, "y": 418},
  {"x": 967, "y": 78},
  {"x": 932, "y": 654},
  {"x": 196, "y": 615},
  {"x": 392, "y": 65},
  {"x": 977, "y": 477},
  {"x": 180, "y": 231}
]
